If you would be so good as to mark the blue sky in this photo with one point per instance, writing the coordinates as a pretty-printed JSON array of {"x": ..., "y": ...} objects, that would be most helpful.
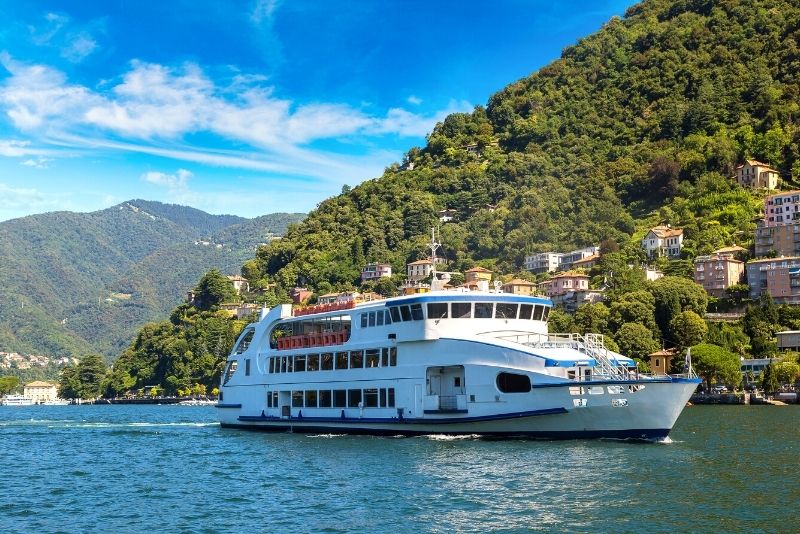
[{"x": 247, "y": 107}]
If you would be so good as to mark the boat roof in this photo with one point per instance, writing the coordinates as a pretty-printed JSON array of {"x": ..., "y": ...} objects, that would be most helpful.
[{"x": 461, "y": 296}]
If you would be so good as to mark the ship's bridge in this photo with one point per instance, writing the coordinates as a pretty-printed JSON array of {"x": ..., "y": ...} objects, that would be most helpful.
[{"x": 449, "y": 313}]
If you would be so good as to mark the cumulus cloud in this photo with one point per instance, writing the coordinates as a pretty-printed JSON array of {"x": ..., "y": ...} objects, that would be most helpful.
[
  {"x": 414, "y": 100},
  {"x": 178, "y": 182},
  {"x": 79, "y": 47},
  {"x": 36, "y": 163}
]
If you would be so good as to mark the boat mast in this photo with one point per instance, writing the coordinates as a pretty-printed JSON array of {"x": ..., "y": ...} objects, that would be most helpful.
[{"x": 434, "y": 246}]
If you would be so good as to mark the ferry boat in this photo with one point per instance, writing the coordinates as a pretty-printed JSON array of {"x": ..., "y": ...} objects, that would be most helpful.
[
  {"x": 442, "y": 362},
  {"x": 16, "y": 400}
]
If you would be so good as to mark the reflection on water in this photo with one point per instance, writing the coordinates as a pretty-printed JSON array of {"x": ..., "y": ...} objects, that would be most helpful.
[{"x": 168, "y": 468}]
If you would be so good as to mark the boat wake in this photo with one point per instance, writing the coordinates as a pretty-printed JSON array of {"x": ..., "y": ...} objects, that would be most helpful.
[{"x": 451, "y": 437}]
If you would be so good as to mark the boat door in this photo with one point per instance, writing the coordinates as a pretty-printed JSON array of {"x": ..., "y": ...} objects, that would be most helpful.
[{"x": 285, "y": 403}]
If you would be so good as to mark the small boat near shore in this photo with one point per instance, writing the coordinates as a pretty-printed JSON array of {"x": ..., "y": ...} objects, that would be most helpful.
[{"x": 16, "y": 400}]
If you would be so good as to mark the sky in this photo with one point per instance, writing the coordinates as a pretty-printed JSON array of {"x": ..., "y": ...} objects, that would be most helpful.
[{"x": 248, "y": 107}]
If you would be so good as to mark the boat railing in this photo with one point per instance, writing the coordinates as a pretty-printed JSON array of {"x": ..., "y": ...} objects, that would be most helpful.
[{"x": 593, "y": 345}]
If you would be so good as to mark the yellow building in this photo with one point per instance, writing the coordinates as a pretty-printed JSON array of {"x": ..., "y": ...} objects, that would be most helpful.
[
  {"x": 477, "y": 273},
  {"x": 520, "y": 287},
  {"x": 40, "y": 392}
]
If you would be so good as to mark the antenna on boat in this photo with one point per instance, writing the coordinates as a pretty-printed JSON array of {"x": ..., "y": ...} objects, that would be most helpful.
[{"x": 434, "y": 246}]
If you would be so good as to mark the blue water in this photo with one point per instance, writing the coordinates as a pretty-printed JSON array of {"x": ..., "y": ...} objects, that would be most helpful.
[{"x": 172, "y": 469}]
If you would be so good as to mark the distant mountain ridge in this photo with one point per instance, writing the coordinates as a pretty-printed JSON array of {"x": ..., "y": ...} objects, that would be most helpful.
[{"x": 74, "y": 283}]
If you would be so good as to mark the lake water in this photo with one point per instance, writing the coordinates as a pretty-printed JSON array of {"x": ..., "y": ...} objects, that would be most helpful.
[{"x": 172, "y": 469}]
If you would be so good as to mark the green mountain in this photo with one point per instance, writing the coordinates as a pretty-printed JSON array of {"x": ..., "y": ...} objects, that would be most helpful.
[
  {"x": 641, "y": 123},
  {"x": 85, "y": 282}
]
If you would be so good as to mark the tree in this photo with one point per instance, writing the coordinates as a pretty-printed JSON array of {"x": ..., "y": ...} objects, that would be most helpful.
[
  {"x": 633, "y": 307},
  {"x": 688, "y": 329},
  {"x": 212, "y": 290},
  {"x": 592, "y": 317},
  {"x": 769, "y": 380},
  {"x": 560, "y": 321},
  {"x": 635, "y": 340},
  {"x": 8, "y": 384},
  {"x": 787, "y": 371},
  {"x": 715, "y": 364}
]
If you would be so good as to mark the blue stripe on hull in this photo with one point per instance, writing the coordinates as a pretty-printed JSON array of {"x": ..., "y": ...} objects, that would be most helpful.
[
  {"x": 638, "y": 434},
  {"x": 396, "y": 421}
]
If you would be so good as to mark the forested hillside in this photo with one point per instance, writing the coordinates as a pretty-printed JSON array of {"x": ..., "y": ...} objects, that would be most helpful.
[
  {"x": 85, "y": 282},
  {"x": 638, "y": 124}
]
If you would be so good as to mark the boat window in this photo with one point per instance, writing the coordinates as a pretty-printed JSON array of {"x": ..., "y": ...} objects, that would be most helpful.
[
  {"x": 393, "y": 356},
  {"x": 537, "y": 312},
  {"x": 247, "y": 367},
  {"x": 371, "y": 318},
  {"x": 326, "y": 363},
  {"x": 405, "y": 313},
  {"x": 272, "y": 365},
  {"x": 437, "y": 310},
  {"x": 545, "y": 313},
  {"x": 387, "y": 317},
  {"x": 505, "y": 311},
  {"x": 274, "y": 399},
  {"x": 289, "y": 364},
  {"x": 391, "y": 397},
  {"x": 416, "y": 312},
  {"x": 363, "y": 320},
  {"x": 356, "y": 359},
  {"x": 325, "y": 398},
  {"x": 379, "y": 318},
  {"x": 244, "y": 343},
  {"x": 297, "y": 399},
  {"x": 340, "y": 398},
  {"x": 483, "y": 310},
  {"x": 232, "y": 365},
  {"x": 525, "y": 311},
  {"x": 461, "y": 310},
  {"x": 394, "y": 311},
  {"x": 269, "y": 399},
  {"x": 283, "y": 364},
  {"x": 353, "y": 398},
  {"x": 373, "y": 357},
  {"x": 311, "y": 398},
  {"x": 382, "y": 398},
  {"x": 513, "y": 383},
  {"x": 371, "y": 398},
  {"x": 341, "y": 360},
  {"x": 299, "y": 364},
  {"x": 312, "y": 362}
]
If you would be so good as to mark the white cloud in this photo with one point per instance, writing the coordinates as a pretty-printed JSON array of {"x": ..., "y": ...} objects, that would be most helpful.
[
  {"x": 414, "y": 100},
  {"x": 12, "y": 148},
  {"x": 153, "y": 108},
  {"x": 178, "y": 182},
  {"x": 79, "y": 47},
  {"x": 263, "y": 11},
  {"x": 36, "y": 163},
  {"x": 16, "y": 201}
]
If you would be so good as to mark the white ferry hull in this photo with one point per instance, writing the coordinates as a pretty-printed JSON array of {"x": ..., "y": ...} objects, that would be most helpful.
[{"x": 649, "y": 416}]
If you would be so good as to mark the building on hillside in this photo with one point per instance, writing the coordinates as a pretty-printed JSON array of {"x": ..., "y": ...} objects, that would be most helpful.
[
  {"x": 718, "y": 271},
  {"x": 572, "y": 300},
  {"x": 777, "y": 277},
  {"x": 447, "y": 215},
  {"x": 300, "y": 295},
  {"x": 568, "y": 259},
  {"x": 40, "y": 392},
  {"x": 548, "y": 262},
  {"x": 777, "y": 240},
  {"x": 374, "y": 271},
  {"x": 543, "y": 262},
  {"x": 476, "y": 274},
  {"x": 781, "y": 208},
  {"x": 663, "y": 241},
  {"x": 414, "y": 288},
  {"x": 240, "y": 311},
  {"x": 240, "y": 283},
  {"x": 586, "y": 263},
  {"x": 753, "y": 367},
  {"x": 788, "y": 340},
  {"x": 661, "y": 361},
  {"x": 651, "y": 274},
  {"x": 756, "y": 175},
  {"x": 520, "y": 287},
  {"x": 565, "y": 283},
  {"x": 419, "y": 270}
]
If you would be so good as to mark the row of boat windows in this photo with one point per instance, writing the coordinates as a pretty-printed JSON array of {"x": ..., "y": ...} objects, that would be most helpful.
[
  {"x": 455, "y": 310},
  {"x": 330, "y": 361},
  {"x": 337, "y": 398}
]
